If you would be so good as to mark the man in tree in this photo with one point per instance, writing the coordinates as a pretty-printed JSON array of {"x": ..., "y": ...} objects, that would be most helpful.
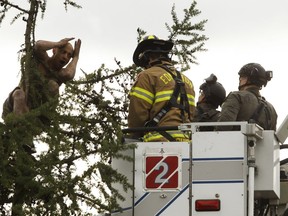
[
  {"x": 45, "y": 77},
  {"x": 247, "y": 104},
  {"x": 161, "y": 96}
]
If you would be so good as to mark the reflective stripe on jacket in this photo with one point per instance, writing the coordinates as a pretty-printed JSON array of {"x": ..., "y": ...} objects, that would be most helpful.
[
  {"x": 159, "y": 97},
  {"x": 155, "y": 136}
]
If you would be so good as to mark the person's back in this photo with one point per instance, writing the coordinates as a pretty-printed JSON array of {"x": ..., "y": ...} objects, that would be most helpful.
[
  {"x": 243, "y": 106},
  {"x": 206, "y": 113},
  {"x": 154, "y": 89},
  {"x": 247, "y": 104}
]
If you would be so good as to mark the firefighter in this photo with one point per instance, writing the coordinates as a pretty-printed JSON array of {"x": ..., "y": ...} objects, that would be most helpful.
[
  {"x": 161, "y": 95},
  {"x": 247, "y": 104},
  {"x": 211, "y": 96}
]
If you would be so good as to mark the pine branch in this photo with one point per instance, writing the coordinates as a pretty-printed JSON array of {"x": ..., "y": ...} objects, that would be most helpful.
[{"x": 5, "y": 3}]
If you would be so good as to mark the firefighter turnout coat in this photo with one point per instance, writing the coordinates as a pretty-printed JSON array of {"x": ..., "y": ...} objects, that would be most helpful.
[{"x": 153, "y": 89}]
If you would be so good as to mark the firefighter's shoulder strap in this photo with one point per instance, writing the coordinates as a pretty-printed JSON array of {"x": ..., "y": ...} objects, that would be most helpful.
[{"x": 183, "y": 105}]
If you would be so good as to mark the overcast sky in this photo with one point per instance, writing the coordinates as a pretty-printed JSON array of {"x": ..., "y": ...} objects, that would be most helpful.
[{"x": 239, "y": 32}]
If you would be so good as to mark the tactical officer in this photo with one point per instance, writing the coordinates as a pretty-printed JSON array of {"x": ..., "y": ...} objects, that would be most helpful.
[
  {"x": 212, "y": 95},
  {"x": 247, "y": 104},
  {"x": 161, "y": 95}
]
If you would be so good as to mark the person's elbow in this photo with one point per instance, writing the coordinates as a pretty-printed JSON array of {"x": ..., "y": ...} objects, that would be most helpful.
[
  {"x": 39, "y": 45},
  {"x": 67, "y": 75}
]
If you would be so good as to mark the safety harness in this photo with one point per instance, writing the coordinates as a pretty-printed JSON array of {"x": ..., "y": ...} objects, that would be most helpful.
[{"x": 179, "y": 92}]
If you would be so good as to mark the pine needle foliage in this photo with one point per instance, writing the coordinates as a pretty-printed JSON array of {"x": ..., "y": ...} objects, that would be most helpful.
[
  {"x": 81, "y": 130},
  {"x": 186, "y": 34}
]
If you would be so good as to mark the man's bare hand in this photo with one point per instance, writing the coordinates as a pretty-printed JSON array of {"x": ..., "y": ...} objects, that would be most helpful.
[{"x": 77, "y": 46}]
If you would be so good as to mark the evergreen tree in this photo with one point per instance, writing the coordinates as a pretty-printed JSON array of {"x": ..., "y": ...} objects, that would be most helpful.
[{"x": 83, "y": 133}]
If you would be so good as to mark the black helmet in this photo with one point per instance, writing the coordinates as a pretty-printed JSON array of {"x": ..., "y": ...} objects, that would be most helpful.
[
  {"x": 150, "y": 43},
  {"x": 214, "y": 92},
  {"x": 256, "y": 74}
]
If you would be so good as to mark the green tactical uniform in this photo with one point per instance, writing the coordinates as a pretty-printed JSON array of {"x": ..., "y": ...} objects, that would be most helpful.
[
  {"x": 206, "y": 113},
  {"x": 241, "y": 105}
]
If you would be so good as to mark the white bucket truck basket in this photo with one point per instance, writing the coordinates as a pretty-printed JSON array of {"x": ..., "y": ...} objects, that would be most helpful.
[{"x": 218, "y": 173}]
